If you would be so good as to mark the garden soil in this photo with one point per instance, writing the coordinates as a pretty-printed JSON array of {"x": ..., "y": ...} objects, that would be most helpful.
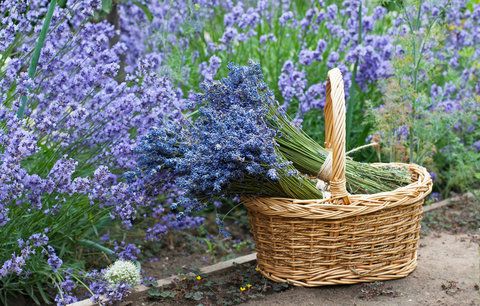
[{"x": 448, "y": 273}]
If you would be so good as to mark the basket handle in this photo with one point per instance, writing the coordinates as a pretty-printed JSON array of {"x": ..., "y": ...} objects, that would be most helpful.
[{"x": 335, "y": 134}]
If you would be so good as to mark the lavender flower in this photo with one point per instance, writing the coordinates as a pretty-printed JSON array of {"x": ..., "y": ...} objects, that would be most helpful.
[
  {"x": 17, "y": 262},
  {"x": 476, "y": 146},
  {"x": 287, "y": 16},
  {"x": 306, "y": 57},
  {"x": 126, "y": 251},
  {"x": 229, "y": 35},
  {"x": 53, "y": 260},
  {"x": 291, "y": 83},
  {"x": 333, "y": 57},
  {"x": 314, "y": 98},
  {"x": 209, "y": 71},
  {"x": 402, "y": 132},
  {"x": 435, "y": 196},
  {"x": 103, "y": 290},
  {"x": 221, "y": 228},
  {"x": 267, "y": 37},
  {"x": 321, "y": 46},
  {"x": 67, "y": 286}
]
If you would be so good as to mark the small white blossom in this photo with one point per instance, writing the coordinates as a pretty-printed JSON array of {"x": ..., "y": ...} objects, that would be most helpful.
[{"x": 123, "y": 271}]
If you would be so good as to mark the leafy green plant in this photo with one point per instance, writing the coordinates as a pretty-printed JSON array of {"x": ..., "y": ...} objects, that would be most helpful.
[{"x": 429, "y": 115}]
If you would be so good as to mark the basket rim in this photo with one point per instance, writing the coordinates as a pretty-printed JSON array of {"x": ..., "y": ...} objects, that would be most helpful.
[{"x": 333, "y": 208}]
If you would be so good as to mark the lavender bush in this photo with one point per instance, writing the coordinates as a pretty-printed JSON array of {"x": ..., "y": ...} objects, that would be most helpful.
[{"x": 61, "y": 162}]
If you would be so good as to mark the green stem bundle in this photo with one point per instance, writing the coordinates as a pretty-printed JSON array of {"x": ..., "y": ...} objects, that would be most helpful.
[
  {"x": 296, "y": 186},
  {"x": 308, "y": 157}
]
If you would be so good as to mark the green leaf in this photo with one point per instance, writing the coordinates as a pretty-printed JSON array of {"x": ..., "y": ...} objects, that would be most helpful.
[
  {"x": 32, "y": 295},
  {"x": 145, "y": 10},
  {"x": 42, "y": 293},
  {"x": 106, "y": 6},
  {"x": 36, "y": 53},
  {"x": 154, "y": 293},
  {"x": 196, "y": 296},
  {"x": 93, "y": 244},
  {"x": 166, "y": 294},
  {"x": 467, "y": 52},
  {"x": 62, "y": 3}
]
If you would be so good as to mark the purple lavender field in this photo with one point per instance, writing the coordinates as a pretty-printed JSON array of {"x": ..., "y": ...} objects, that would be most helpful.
[{"x": 103, "y": 106}]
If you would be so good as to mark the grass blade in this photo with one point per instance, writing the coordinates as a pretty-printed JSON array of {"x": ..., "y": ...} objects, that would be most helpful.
[
  {"x": 93, "y": 244},
  {"x": 36, "y": 53}
]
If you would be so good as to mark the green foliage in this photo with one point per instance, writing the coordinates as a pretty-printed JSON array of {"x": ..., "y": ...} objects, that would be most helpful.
[
  {"x": 76, "y": 220},
  {"x": 411, "y": 127},
  {"x": 155, "y": 293},
  {"x": 107, "y": 6}
]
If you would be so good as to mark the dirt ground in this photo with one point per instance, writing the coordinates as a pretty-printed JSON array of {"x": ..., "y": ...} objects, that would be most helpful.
[
  {"x": 448, "y": 273},
  {"x": 186, "y": 255}
]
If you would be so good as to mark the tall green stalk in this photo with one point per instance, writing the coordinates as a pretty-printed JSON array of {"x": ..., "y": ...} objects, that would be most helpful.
[
  {"x": 353, "y": 88},
  {"x": 415, "y": 84},
  {"x": 417, "y": 52},
  {"x": 32, "y": 69}
]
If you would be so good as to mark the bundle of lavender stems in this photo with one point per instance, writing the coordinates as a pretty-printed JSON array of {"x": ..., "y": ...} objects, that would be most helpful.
[{"x": 237, "y": 141}]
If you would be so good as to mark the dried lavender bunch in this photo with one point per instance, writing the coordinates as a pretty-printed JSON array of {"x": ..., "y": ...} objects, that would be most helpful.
[
  {"x": 223, "y": 152},
  {"x": 238, "y": 143}
]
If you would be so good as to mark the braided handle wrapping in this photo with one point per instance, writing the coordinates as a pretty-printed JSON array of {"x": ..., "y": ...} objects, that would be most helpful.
[{"x": 335, "y": 134}]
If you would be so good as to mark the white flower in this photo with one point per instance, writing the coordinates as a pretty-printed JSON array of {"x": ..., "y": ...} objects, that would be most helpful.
[{"x": 123, "y": 271}]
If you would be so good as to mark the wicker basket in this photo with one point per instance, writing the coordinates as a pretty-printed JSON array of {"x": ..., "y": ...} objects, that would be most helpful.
[{"x": 344, "y": 239}]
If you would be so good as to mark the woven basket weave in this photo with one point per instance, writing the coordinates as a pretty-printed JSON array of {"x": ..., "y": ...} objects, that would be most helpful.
[{"x": 344, "y": 239}]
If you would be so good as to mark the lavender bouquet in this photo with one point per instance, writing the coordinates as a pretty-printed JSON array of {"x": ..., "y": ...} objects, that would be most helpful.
[
  {"x": 238, "y": 142},
  {"x": 221, "y": 151}
]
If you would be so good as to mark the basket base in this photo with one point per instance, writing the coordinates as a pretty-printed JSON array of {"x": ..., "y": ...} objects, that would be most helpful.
[{"x": 344, "y": 276}]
